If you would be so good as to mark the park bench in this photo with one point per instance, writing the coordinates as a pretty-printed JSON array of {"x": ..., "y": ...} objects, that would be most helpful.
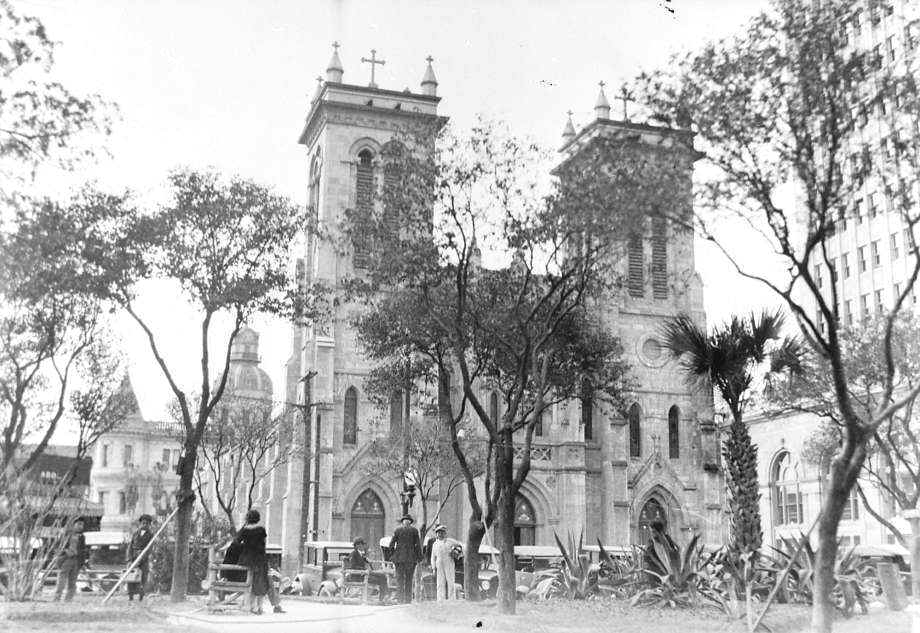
[{"x": 227, "y": 579}]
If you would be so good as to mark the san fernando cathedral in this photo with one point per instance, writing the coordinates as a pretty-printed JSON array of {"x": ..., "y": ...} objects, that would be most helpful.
[{"x": 608, "y": 477}]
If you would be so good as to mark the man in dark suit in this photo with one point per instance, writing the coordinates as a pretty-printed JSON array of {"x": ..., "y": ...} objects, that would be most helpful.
[
  {"x": 406, "y": 545},
  {"x": 358, "y": 560}
]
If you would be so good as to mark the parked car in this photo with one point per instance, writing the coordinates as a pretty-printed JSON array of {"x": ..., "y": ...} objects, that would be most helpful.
[
  {"x": 323, "y": 560},
  {"x": 870, "y": 555},
  {"x": 536, "y": 558}
]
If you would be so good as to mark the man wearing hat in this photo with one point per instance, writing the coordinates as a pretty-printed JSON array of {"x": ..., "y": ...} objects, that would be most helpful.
[
  {"x": 406, "y": 545},
  {"x": 442, "y": 563},
  {"x": 358, "y": 560},
  {"x": 139, "y": 542}
]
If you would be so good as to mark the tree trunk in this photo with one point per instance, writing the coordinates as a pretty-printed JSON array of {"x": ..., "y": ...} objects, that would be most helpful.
[
  {"x": 183, "y": 524},
  {"x": 474, "y": 535},
  {"x": 844, "y": 472},
  {"x": 504, "y": 532},
  {"x": 914, "y": 558}
]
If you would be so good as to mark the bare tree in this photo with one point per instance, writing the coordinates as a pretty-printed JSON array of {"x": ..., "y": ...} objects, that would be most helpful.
[
  {"x": 892, "y": 464},
  {"x": 241, "y": 448},
  {"x": 782, "y": 106}
]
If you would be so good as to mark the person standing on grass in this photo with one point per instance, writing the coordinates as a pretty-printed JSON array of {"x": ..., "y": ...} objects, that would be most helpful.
[
  {"x": 71, "y": 559},
  {"x": 407, "y": 552},
  {"x": 251, "y": 541},
  {"x": 442, "y": 563},
  {"x": 139, "y": 542}
]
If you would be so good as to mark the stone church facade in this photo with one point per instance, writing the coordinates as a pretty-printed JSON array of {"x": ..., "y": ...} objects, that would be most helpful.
[{"x": 607, "y": 475}]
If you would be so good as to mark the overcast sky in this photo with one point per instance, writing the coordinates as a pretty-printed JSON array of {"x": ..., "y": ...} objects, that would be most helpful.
[{"x": 227, "y": 83}]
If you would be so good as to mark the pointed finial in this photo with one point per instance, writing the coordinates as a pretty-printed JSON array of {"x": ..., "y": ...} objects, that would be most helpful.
[
  {"x": 334, "y": 70},
  {"x": 569, "y": 132},
  {"x": 602, "y": 107},
  {"x": 429, "y": 81}
]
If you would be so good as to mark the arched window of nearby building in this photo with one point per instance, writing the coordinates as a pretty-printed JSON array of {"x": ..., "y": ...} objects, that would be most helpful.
[
  {"x": 538, "y": 425},
  {"x": 674, "y": 432},
  {"x": 851, "y": 509},
  {"x": 525, "y": 522},
  {"x": 364, "y": 200},
  {"x": 587, "y": 410},
  {"x": 635, "y": 430},
  {"x": 787, "y": 498},
  {"x": 396, "y": 411},
  {"x": 493, "y": 407},
  {"x": 350, "y": 426},
  {"x": 660, "y": 258},
  {"x": 635, "y": 257}
]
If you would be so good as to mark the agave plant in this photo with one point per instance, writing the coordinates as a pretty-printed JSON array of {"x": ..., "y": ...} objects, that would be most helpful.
[
  {"x": 621, "y": 575},
  {"x": 579, "y": 577},
  {"x": 683, "y": 576},
  {"x": 851, "y": 585}
]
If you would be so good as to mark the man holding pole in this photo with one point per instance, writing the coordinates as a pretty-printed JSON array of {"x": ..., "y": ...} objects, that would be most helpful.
[{"x": 139, "y": 542}]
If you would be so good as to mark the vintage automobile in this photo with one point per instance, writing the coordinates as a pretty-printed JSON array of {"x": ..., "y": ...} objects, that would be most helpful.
[
  {"x": 536, "y": 558},
  {"x": 323, "y": 560},
  {"x": 870, "y": 555}
]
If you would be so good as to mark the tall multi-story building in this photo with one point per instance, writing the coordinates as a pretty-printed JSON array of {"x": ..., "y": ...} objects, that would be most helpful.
[{"x": 870, "y": 259}]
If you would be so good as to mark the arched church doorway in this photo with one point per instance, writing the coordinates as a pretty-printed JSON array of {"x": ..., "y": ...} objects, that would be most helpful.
[
  {"x": 651, "y": 512},
  {"x": 368, "y": 519},
  {"x": 525, "y": 522}
]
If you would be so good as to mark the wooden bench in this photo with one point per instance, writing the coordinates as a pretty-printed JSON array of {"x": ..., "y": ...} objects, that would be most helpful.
[
  {"x": 219, "y": 585},
  {"x": 355, "y": 580}
]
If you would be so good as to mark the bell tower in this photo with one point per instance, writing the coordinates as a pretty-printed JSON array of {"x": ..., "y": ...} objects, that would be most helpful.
[{"x": 346, "y": 128}]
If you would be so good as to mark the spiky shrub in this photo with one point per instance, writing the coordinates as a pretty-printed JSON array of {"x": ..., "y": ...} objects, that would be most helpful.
[
  {"x": 578, "y": 576},
  {"x": 852, "y": 581},
  {"x": 684, "y": 577},
  {"x": 621, "y": 576}
]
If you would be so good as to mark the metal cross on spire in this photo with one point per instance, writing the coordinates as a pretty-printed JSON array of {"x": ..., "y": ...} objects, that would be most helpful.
[
  {"x": 429, "y": 59},
  {"x": 373, "y": 61},
  {"x": 625, "y": 96}
]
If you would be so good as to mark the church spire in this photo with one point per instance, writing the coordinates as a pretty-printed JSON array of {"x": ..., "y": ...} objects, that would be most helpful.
[
  {"x": 429, "y": 81},
  {"x": 569, "y": 132},
  {"x": 334, "y": 70},
  {"x": 602, "y": 107}
]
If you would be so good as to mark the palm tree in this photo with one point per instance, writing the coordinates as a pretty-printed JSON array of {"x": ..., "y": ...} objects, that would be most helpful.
[{"x": 728, "y": 359}]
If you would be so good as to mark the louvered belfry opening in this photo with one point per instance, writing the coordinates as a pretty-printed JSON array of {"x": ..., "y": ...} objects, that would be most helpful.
[
  {"x": 364, "y": 200},
  {"x": 636, "y": 263},
  {"x": 660, "y": 258}
]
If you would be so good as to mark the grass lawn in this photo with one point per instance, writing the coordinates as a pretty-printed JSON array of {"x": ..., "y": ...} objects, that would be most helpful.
[{"x": 618, "y": 616}]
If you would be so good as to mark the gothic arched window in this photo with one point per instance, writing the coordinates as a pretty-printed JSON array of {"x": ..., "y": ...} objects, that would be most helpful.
[
  {"x": 538, "y": 425},
  {"x": 635, "y": 430},
  {"x": 525, "y": 522},
  {"x": 364, "y": 199},
  {"x": 396, "y": 411},
  {"x": 493, "y": 407},
  {"x": 350, "y": 427},
  {"x": 674, "y": 432},
  {"x": 787, "y": 498},
  {"x": 315, "y": 168},
  {"x": 660, "y": 258}
]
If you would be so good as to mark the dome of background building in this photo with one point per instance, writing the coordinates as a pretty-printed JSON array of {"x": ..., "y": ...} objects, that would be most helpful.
[{"x": 246, "y": 379}]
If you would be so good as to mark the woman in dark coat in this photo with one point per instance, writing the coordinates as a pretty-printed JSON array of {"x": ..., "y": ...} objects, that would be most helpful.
[{"x": 251, "y": 540}]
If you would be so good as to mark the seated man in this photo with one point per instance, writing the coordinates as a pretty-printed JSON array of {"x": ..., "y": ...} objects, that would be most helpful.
[{"x": 357, "y": 559}]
